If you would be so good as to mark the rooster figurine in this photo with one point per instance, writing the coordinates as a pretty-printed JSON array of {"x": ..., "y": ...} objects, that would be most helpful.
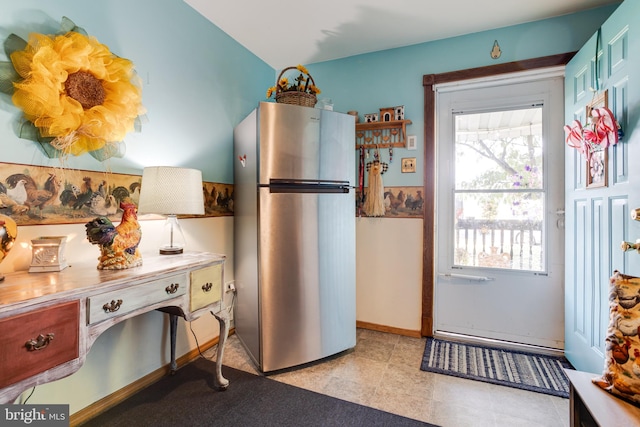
[
  {"x": 118, "y": 244},
  {"x": 8, "y": 234}
]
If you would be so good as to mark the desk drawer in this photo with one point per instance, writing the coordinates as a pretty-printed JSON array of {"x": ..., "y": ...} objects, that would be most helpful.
[
  {"x": 33, "y": 342},
  {"x": 206, "y": 286},
  {"x": 118, "y": 303}
]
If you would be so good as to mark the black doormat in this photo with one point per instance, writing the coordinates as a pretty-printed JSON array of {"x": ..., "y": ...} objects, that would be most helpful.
[
  {"x": 527, "y": 371},
  {"x": 189, "y": 399}
]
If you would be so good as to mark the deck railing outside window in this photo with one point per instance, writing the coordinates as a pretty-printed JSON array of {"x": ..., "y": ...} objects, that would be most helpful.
[{"x": 509, "y": 244}]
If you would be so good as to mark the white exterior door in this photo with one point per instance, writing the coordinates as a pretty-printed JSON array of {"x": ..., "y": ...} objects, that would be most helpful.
[
  {"x": 500, "y": 206},
  {"x": 598, "y": 216}
]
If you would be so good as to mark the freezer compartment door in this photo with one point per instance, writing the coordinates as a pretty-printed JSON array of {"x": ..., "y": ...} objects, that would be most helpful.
[
  {"x": 305, "y": 143},
  {"x": 307, "y": 277}
]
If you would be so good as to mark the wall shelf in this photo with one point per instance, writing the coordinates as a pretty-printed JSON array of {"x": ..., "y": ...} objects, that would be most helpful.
[{"x": 391, "y": 134}]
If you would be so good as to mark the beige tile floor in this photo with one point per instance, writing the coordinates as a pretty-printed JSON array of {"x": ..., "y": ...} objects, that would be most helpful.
[{"x": 383, "y": 372}]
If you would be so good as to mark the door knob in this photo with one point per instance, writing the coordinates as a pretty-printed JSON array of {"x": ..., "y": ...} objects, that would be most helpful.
[
  {"x": 628, "y": 246},
  {"x": 635, "y": 214}
]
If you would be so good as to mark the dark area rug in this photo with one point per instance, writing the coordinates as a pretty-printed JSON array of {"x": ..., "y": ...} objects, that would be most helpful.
[
  {"x": 527, "y": 371},
  {"x": 189, "y": 399}
]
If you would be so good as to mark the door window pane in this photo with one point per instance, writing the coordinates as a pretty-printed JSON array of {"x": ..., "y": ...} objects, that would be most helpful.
[{"x": 499, "y": 190}]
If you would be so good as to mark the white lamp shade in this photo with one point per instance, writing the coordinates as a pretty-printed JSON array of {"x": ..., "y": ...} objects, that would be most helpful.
[{"x": 169, "y": 190}]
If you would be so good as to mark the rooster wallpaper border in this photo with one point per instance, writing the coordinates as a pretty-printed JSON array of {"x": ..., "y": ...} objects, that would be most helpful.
[
  {"x": 399, "y": 202},
  {"x": 46, "y": 195}
]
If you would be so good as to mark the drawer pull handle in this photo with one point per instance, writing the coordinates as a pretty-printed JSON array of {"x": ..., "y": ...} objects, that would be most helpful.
[
  {"x": 112, "y": 306},
  {"x": 172, "y": 288},
  {"x": 39, "y": 343},
  {"x": 207, "y": 286}
]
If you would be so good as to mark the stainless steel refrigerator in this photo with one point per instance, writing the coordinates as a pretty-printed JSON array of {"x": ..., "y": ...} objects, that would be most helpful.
[{"x": 294, "y": 234}]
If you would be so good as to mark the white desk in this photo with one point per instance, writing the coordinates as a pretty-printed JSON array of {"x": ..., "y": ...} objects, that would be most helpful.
[{"x": 49, "y": 321}]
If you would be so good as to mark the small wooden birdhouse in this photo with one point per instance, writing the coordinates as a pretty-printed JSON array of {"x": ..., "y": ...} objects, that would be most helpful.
[
  {"x": 399, "y": 112},
  {"x": 370, "y": 118},
  {"x": 387, "y": 114}
]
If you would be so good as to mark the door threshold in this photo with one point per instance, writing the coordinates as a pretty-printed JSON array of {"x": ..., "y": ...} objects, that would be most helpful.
[{"x": 507, "y": 345}]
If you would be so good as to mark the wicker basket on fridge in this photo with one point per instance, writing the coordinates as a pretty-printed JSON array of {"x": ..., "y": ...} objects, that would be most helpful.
[{"x": 296, "y": 97}]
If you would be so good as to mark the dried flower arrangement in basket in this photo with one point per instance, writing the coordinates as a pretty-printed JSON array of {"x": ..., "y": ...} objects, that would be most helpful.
[{"x": 300, "y": 91}]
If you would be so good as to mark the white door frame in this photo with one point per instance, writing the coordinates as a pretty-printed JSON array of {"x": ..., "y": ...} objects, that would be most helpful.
[
  {"x": 517, "y": 316},
  {"x": 429, "y": 170}
]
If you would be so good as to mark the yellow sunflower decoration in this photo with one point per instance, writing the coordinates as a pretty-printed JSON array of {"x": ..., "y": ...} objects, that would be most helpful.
[{"x": 77, "y": 97}]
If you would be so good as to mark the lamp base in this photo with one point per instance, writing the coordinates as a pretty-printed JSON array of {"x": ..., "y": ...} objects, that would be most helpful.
[{"x": 171, "y": 251}]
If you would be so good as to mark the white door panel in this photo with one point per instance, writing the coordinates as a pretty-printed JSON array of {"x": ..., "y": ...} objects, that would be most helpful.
[{"x": 500, "y": 206}]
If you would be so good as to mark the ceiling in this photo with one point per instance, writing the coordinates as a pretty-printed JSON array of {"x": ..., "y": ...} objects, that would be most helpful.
[{"x": 289, "y": 32}]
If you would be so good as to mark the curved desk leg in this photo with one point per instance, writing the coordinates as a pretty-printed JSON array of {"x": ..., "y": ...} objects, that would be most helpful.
[
  {"x": 223, "y": 318},
  {"x": 173, "y": 327}
]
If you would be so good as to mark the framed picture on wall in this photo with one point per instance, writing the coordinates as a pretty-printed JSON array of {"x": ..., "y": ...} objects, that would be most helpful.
[{"x": 598, "y": 164}]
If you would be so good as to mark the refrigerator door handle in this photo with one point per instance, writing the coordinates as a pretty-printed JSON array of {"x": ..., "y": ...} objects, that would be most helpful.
[{"x": 307, "y": 186}]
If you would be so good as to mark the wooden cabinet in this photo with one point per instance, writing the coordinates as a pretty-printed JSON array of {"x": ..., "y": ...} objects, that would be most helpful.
[
  {"x": 592, "y": 406},
  {"x": 38, "y": 340}
]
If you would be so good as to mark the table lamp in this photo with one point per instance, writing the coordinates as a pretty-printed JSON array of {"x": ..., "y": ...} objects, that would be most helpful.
[{"x": 171, "y": 191}]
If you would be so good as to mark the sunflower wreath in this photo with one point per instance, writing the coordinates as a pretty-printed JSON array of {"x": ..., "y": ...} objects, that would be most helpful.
[{"x": 76, "y": 96}]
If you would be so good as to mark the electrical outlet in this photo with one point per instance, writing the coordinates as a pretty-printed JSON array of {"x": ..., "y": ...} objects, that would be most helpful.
[{"x": 231, "y": 287}]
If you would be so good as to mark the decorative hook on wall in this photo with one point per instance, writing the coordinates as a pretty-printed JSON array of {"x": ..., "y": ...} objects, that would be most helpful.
[{"x": 495, "y": 51}]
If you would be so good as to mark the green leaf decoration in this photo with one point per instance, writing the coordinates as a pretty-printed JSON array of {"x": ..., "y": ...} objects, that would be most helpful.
[
  {"x": 112, "y": 149},
  {"x": 49, "y": 151},
  {"x": 29, "y": 131},
  {"x": 8, "y": 75},
  {"x": 67, "y": 25},
  {"x": 14, "y": 43}
]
